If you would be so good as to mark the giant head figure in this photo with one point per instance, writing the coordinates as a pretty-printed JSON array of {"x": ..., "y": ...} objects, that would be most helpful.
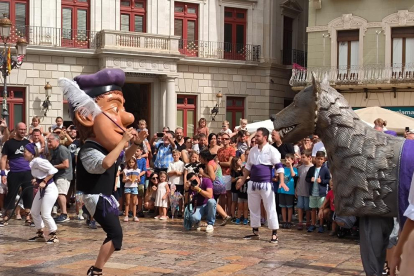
[{"x": 97, "y": 106}]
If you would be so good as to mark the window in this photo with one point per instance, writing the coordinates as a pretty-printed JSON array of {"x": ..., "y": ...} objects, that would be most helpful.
[
  {"x": 15, "y": 105},
  {"x": 348, "y": 54},
  {"x": 402, "y": 50},
  {"x": 133, "y": 15},
  {"x": 75, "y": 23},
  {"x": 287, "y": 40},
  {"x": 235, "y": 33},
  {"x": 186, "y": 114},
  {"x": 234, "y": 111},
  {"x": 18, "y": 12},
  {"x": 186, "y": 27}
]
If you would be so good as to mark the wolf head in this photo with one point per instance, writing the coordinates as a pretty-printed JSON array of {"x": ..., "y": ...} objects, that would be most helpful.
[{"x": 298, "y": 119}]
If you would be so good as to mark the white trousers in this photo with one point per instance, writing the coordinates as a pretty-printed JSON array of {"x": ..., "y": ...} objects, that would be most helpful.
[
  {"x": 254, "y": 197},
  {"x": 42, "y": 208}
]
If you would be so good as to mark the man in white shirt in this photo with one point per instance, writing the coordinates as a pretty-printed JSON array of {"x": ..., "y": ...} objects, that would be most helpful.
[{"x": 260, "y": 187}]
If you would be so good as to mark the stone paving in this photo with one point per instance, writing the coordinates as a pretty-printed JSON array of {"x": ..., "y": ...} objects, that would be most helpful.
[{"x": 153, "y": 247}]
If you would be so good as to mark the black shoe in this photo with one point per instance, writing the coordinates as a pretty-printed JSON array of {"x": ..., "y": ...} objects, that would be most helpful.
[
  {"x": 254, "y": 236},
  {"x": 53, "y": 238},
  {"x": 92, "y": 272},
  {"x": 141, "y": 214},
  {"x": 274, "y": 240},
  {"x": 38, "y": 238}
]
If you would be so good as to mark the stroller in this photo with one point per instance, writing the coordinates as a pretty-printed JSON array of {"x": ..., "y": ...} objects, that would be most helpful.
[{"x": 346, "y": 226}]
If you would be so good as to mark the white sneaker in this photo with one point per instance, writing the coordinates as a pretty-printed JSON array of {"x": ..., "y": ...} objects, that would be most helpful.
[
  {"x": 209, "y": 228},
  {"x": 80, "y": 217}
]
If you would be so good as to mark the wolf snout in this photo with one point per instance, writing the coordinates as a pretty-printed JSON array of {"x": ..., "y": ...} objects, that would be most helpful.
[{"x": 273, "y": 117}]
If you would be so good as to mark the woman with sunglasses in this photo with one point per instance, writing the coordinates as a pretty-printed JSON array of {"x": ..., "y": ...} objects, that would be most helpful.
[
  {"x": 185, "y": 153},
  {"x": 149, "y": 200}
]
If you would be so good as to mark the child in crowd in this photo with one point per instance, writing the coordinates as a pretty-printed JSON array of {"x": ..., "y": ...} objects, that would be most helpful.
[
  {"x": 242, "y": 145},
  {"x": 243, "y": 125},
  {"x": 35, "y": 125},
  {"x": 193, "y": 166},
  {"x": 3, "y": 188},
  {"x": 175, "y": 173},
  {"x": 142, "y": 167},
  {"x": 287, "y": 196},
  {"x": 202, "y": 127},
  {"x": 318, "y": 177},
  {"x": 302, "y": 189},
  {"x": 225, "y": 128},
  {"x": 236, "y": 173},
  {"x": 131, "y": 179},
  {"x": 161, "y": 198},
  {"x": 327, "y": 209},
  {"x": 195, "y": 146}
]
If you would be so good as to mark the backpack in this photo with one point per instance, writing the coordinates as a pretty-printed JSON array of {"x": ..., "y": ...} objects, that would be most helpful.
[
  {"x": 188, "y": 211},
  {"x": 219, "y": 186}
]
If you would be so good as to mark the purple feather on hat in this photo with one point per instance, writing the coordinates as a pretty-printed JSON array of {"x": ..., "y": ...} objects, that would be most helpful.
[{"x": 102, "y": 78}]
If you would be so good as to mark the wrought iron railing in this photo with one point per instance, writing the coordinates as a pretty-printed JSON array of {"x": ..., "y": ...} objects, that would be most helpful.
[
  {"x": 355, "y": 75},
  {"x": 219, "y": 50},
  {"x": 55, "y": 37},
  {"x": 291, "y": 56}
]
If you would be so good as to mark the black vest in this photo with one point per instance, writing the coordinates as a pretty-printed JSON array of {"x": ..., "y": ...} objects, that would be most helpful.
[{"x": 95, "y": 183}]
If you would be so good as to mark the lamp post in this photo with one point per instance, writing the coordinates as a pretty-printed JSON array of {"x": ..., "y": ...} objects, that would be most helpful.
[{"x": 8, "y": 62}]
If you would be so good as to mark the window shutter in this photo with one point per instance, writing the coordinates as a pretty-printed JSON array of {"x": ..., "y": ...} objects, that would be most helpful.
[
  {"x": 4, "y": 8},
  {"x": 178, "y": 27},
  {"x": 20, "y": 21},
  {"x": 139, "y": 23},
  {"x": 191, "y": 30},
  {"x": 400, "y": 32},
  {"x": 82, "y": 19},
  {"x": 125, "y": 22},
  {"x": 67, "y": 23},
  {"x": 352, "y": 35}
]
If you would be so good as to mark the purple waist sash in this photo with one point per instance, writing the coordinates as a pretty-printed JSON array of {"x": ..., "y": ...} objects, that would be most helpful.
[
  {"x": 261, "y": 173},
  {"x": 42, "y": 190}
]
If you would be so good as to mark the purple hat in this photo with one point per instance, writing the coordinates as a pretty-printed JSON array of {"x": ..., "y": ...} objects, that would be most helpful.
[
  {"x": 31, "y": 148},
  {"x": 101, "y": 82}
]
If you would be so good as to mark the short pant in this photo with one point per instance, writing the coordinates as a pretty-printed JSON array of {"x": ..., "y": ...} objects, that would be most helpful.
[
  {"x": 227, "y": 182},
  {"x": 316, "y": 201},
  {"x": 3, "y": 189},
  {"x": 286, "y": 201},
  {"x": 303, "y": 203},
  {"x": 131, "y": 190},
  {"x": 241, "y": 200},
  {"x": 234, "y": 197},
  {"x": 62, "y": 185},
  {"x": 141, "y": 189}
]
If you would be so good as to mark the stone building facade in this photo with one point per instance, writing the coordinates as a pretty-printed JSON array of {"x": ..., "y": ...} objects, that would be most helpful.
[
  {"x": 365, "y": 49},
  {"x": 179, "y": 56}
]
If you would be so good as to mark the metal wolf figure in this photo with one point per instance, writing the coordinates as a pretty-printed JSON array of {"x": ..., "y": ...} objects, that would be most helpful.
[{"x": 371, "y": 170}]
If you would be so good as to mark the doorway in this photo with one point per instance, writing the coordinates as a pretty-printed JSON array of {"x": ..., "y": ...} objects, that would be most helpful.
[{"x": 138, "y": 101}]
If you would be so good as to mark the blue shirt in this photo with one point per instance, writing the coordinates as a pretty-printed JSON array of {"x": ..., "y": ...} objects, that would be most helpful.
[
  {"x": 315, "y": 185},
  {"x": 164, "y": 156},
  {"x": 289, "y": 181},
  {"x": 142, "y": 166}
]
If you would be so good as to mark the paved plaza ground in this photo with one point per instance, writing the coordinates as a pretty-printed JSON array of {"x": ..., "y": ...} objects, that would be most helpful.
[{"x": 153, "y": 247}]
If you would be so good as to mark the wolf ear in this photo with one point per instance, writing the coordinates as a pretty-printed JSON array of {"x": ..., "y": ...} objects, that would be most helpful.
[{"x": 316, "y": 86}]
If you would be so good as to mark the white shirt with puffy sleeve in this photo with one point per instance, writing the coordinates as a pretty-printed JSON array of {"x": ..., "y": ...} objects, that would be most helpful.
[{"x": 268, "y": 155}]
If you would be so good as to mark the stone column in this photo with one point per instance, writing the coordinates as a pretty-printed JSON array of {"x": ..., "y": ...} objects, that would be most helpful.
[{"x": 171, "y": 103}]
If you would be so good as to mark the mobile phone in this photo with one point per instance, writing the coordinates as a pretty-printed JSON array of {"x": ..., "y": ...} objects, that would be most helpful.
[
  {"x": 160, "y": 134},
  {"x": 407, "y": 129}
]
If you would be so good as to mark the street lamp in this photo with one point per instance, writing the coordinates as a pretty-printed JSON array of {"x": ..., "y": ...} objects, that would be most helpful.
[{"x": 7, "y": 61}]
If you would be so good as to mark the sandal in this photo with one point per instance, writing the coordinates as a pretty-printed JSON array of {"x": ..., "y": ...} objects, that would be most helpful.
[
  {"x": 18, "y": 217},
  {"x": 136, "y": 219},
  {"x": 274, "y": 239},
  {"x": 28, "y": 222},
  {"x": 93, "y": 272}
]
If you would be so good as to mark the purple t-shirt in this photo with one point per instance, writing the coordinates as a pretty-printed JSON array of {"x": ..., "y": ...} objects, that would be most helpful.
[
  {"x": 14, "y": 149},
  {"x": 205, "y": 184}
]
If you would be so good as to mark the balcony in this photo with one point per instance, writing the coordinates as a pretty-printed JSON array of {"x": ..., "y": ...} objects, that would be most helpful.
[
  {"x": 219, "y": 50},
  {"x": 291, "y": 56},
  {"x": 365, "y": 76},
  {"x": 55, "y": 37}
]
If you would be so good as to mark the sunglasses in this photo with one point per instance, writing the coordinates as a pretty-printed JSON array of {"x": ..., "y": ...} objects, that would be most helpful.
[
  {"x": 226, "y": 139},
  {"x": 253, "y": 141},
  {"x": 155, "y": 178}
]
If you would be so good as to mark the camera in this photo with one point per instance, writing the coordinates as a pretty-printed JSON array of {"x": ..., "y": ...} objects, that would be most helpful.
[
  {"x": 193, "y": 183},
  {"x": 160, "y": 134}
]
